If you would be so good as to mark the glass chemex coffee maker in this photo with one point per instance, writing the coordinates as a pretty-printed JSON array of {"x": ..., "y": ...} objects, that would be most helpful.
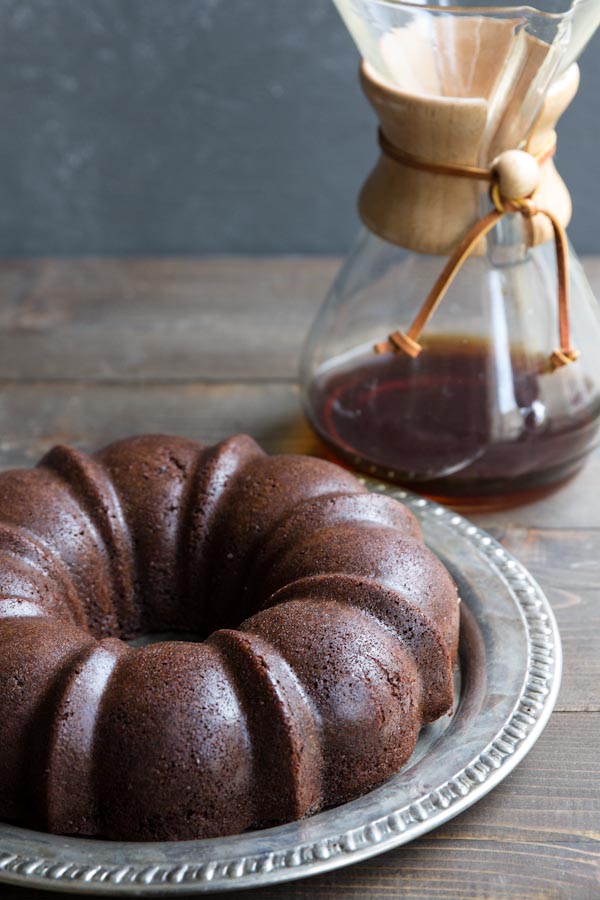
[{"x": 458, "y": 351}]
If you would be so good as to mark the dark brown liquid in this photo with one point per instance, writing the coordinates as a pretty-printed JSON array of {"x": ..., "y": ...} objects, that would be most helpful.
[{"x": 448, "y": 425}]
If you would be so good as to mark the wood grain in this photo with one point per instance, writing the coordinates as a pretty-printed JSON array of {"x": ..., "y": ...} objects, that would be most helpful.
[
  {"x": 567, "y": 565},
  {"x": 33, "y": 417},
  {"x": 93, "y": 350},
  {"x": 166, "y": 319}
]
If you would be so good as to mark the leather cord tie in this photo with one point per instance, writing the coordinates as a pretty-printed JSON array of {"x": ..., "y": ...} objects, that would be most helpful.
[{"x": 513, "y": 178}]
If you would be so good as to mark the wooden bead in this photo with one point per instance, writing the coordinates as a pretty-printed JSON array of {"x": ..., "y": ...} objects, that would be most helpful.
[{"x": 518, "y": 174}]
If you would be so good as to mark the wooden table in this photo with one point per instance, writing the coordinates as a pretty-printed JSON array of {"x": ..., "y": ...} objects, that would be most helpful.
[{"x": 95, "y": 350}]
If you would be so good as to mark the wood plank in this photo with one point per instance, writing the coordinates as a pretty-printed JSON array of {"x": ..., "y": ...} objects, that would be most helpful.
[
  {"x": 567, "y": 565},
  {"x": 536, "y": 836},
  {"x": 35, "y": 417},
  {"x": 160, "y": 319}
]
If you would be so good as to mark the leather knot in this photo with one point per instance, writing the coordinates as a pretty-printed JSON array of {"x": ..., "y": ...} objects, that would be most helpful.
[
  {"x": 562, "y": 358},
  {"x": 524, "y": 205},
  {"x": 514, "y": 177}
]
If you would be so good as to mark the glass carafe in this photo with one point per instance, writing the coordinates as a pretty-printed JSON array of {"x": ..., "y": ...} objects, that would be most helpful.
[{"x": 497, "y": 396}]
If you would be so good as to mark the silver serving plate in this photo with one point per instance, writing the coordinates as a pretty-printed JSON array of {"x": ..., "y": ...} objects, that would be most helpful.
[{"x": 510, "y": 667}]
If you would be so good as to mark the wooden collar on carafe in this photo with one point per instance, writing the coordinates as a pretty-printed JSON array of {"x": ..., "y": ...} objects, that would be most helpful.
[{"x": 514, "y": 177}]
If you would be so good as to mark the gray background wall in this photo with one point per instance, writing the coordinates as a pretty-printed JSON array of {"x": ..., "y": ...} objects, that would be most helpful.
[{"x": 202, "y": 126}]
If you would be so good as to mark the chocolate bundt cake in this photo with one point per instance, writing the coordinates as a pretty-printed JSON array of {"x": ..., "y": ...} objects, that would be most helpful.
[{"x": 330, "y": 632}]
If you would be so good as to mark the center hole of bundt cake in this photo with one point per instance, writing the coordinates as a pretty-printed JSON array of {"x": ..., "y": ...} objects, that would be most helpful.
[{"x": 159, "y": 637}]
